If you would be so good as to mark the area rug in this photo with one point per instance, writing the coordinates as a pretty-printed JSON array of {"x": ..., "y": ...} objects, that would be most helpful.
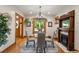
[{"x": 31, "y": 49}]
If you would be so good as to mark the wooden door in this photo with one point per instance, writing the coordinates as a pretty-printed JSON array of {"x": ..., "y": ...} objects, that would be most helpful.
[{"x": 19, "y": 25}]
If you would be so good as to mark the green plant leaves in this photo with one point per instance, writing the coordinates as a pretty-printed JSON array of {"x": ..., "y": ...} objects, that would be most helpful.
[
  {"x": 39, "y": 24},
  {"x": 4, "y": 29}
]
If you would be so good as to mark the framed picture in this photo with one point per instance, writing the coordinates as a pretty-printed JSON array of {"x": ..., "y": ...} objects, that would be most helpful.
[
  {"x": 29, "y": 24},
  {"x": 49, "y": 24}
]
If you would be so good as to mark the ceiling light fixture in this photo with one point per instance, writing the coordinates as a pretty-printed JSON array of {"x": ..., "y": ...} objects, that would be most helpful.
[
  {"x": 48, "y": 13},
  {"x": 17, "y": 16},
  {"x": 40, "y": 13},
  {"x": 31, "y": 12}
]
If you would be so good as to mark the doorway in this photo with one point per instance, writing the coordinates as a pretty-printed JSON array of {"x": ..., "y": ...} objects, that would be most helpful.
[{"x": 19, "y": 25}]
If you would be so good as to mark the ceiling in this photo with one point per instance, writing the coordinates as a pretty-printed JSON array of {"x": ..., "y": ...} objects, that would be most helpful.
[{"x": 33, "y": 10}]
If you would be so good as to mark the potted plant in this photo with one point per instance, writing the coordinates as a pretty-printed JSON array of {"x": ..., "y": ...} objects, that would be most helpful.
[
  {"x": 27, "y": 22},
  {"x": 4, "y": 29}
]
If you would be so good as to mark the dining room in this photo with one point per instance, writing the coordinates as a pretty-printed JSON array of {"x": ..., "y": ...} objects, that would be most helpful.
[{"x": 41, "y": 30}]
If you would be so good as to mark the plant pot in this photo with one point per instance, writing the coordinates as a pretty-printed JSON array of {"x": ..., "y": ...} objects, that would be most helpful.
[{"x": 3, "y": 42}]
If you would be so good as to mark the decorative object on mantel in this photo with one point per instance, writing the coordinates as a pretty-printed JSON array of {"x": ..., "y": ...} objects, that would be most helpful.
[
  {"x": 49, "y": 24},
  {"x": 4, "y": 28},
  {"x": 57, "y": 19}
]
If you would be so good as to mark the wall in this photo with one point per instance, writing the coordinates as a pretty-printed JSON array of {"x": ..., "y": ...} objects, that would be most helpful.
[
  {"x": 76, "y": 8},
  {"x": 11, "y": 37},
  {"x": 28, "y": 29},
  {"x": 49, "y": 30}
]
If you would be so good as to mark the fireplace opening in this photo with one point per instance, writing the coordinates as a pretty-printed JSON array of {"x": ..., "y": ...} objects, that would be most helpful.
[{"x": 64, "y": 40}]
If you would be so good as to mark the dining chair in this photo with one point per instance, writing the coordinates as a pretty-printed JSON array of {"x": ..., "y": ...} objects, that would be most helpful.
[
  {"x": 41, "y": 43},
  {"x": 50, "y": 40},
  {"x": 29, "y": 40}
]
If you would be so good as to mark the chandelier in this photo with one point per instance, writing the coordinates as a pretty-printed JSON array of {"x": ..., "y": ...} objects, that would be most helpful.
[{"x": 40, "y": 13}]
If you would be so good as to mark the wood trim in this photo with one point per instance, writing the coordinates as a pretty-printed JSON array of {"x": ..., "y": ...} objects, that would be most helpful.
[
  {"x": 45, "y": 25},
  {"x": 33, "y": 25},
  {"x": 70, "y": 15},
  {"x": 17, "y": 30},
  {"x": 20, "y": 17}
]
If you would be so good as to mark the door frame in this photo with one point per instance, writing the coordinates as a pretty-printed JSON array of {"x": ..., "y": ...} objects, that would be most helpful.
[{"x": 20, "y": 23}]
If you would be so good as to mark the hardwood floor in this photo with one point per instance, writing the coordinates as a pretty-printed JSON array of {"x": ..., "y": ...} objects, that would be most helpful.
[{"x": 15, "y": 48}]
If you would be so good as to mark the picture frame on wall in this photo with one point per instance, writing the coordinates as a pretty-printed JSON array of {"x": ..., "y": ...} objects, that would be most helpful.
[{"x": 49, "y": 24}]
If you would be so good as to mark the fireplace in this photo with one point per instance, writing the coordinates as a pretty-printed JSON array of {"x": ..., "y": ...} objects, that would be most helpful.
[
  {"x": 66, "y": 24},
  {"x": 64, "y": 39}
]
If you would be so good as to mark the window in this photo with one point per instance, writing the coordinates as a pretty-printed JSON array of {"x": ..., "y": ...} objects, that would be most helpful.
[{"x": 38, "y": 25}]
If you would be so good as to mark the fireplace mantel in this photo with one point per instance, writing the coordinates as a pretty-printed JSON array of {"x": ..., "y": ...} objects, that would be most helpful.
[{"x": 69, "y": 31}]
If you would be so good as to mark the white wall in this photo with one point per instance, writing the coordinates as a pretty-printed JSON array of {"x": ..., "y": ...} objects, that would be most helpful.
[
  {"x": 11, "y": 37},
  {"x": 76, "y": 8},
  {"x": 49, "y": 30},
  {"x": 28, "y": 29}
]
